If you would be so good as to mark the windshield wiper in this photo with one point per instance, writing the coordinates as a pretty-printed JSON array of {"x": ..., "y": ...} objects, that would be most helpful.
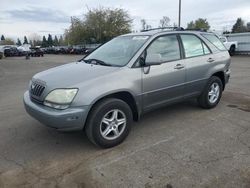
[{"x": 96, "y": 62}]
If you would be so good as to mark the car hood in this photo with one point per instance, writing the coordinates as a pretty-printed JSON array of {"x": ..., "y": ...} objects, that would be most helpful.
[{"x": 71, "y": 74}]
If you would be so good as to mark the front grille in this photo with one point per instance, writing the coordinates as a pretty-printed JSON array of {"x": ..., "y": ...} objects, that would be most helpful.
[
  {"x": 36, "y": 100},
  {"x": 36, "y": 89}
]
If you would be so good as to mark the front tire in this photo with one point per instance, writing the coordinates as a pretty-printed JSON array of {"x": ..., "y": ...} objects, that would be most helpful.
[
  {"x": 211, "y": 94},
  {"x": 232, "y": 50},
  {"x": 109, "y": 122}
]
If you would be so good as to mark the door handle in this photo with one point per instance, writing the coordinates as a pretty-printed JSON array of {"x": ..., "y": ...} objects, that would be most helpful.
[
  {"x": 210, "y": 60},
  {"x": 179, "y": 66}
]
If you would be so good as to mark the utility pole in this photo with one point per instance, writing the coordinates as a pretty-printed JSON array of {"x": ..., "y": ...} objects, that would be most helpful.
[{"x": 179, "y": 22}]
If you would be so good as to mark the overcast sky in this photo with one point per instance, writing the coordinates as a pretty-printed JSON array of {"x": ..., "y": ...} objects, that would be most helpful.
[{"x": 26, "y": 17}]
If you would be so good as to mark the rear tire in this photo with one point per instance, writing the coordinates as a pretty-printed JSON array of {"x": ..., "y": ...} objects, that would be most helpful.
[
  {"x": 211, "y": 94},
  {"x": 109, "y": 122}
]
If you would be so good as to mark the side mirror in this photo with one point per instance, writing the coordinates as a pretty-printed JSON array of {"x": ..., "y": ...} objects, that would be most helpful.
[{"x": 153, "y": 59}]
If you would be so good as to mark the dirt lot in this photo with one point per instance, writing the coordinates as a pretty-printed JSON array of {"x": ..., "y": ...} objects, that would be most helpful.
[{"x": 177, "y": 146}]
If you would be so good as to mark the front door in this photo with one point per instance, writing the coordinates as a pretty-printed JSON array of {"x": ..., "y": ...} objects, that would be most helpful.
[{"x": 163, "y": 83}]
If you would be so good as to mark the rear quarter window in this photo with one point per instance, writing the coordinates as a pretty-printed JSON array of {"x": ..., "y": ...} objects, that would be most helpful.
[{"x": 215, "y": 41}]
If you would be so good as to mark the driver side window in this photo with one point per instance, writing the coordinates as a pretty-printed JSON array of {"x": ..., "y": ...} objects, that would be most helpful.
[{"x": 166, "y": 47}]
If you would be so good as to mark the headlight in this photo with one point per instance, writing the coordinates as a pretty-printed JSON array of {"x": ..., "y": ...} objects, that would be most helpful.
[{"x": 60, "y": 98}]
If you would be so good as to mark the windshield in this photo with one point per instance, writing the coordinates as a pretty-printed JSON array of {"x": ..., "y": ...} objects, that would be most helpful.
[{"x": 118, "y": 51}]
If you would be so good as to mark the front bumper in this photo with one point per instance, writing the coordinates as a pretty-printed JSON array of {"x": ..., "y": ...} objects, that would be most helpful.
[{"x": 70, "y": 119}]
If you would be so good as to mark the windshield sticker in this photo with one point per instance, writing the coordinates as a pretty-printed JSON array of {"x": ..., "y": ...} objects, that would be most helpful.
[{"x": 140, "y": 38}]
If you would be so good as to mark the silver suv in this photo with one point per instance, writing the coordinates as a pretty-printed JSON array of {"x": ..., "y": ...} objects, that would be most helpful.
[{"x": 121, "y": 80}]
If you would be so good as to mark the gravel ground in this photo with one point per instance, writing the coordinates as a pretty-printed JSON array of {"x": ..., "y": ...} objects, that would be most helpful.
[{"x": 178, "y": 146}]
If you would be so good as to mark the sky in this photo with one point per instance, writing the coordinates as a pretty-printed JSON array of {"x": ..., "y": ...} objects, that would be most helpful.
[{"x": 37, "y": 18}]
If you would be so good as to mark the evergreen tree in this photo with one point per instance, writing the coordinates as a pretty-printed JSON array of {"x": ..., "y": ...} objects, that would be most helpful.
[
  {"x": 25, "y": 41},
  {"x": 18, "y": 42},
  {"x": 50, "y": 40},
  {"x": 56, "y": 42},
  {"x": 248, "y": 26},
  {"x": 2, "y": 37},
  {"x": 61, "y": 42},
  {"x": 44, "y": 42},
  {"x": 31, "y": 43},
  {"x": 239, "y": 26}
]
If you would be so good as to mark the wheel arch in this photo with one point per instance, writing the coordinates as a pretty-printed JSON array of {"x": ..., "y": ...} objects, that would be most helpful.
[
  {"x": 233, "y": 45},
  {"x": 221, "y": 75},
  {"x": 125, "y": 96}
]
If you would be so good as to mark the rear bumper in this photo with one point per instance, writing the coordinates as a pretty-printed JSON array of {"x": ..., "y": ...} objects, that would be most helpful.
[{"x": 69, "y": 119}]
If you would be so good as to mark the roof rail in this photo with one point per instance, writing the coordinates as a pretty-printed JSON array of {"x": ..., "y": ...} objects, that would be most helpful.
[
  {"x": 200, "y": 29},
  {"x": 165, "y": 28}
]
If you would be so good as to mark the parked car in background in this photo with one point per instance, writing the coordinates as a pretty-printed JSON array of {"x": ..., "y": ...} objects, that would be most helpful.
[
  {"x": 1, "y": 52},
  {"x": 77, "y": 50},
  {"x": 10, "y": 51},
  {"x": 126, "y": 77},
  {"x": 22, "y": 52},
  {"x": 36, "y": 52},
  {"x": 231, "y": 46},
  {"x": 89, "y": 50}
]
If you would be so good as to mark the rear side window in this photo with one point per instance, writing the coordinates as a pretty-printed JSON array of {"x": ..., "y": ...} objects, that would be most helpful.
[
  {"x": 215, "y": 41},
  {"x": 167, "y": 47},
  {"x": 193, "y": 46}
]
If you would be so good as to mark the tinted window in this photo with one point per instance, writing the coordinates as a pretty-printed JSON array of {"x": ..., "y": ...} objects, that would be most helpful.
[
  {"x": 215, "y": 41},
  {"x": 167, "y": 47},
  {"x": 192, "y": 45}
]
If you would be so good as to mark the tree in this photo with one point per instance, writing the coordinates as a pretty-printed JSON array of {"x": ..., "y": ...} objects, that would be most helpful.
[
  {"x": 200, "y": 23},
  {"x": 61, "y": 41},
  {"x": 98, "y": 26},
  {"x": 44, "y": 42},
  {"x": 25, "y": 41},
  {"x": 18, "y": 42},
  {"x": 164, "y": 22},
  {"x": 2, "y": 37},
  {"x": 31, "y": 43},
  {"x": 148, "y": 27},
  {"x": 143, "y": 24},
  {"x": 248, "y": 26},
  {"x": 50, "y": 40},
  {"x": 35, "y": 39},
  {"x": 239, "y": 26},
  {"x": 191, "y": 25},
  {"x": 56, "y": 42},
  {"x": 7, "y": 41}
]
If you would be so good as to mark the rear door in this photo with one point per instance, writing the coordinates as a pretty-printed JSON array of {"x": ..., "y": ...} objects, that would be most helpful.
[
  {"x": 198, "y": 60},
  {"x": 164, "y": 83}
]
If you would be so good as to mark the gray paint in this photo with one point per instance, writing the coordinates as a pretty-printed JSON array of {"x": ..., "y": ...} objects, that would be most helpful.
[{"x": 151, "y": 87}]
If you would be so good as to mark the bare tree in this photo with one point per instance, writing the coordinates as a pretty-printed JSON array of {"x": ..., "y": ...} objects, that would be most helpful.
[
  {"x": 143, "y": 24},
  {"x": 164, "y": 22},
  {"x": 34, "y": 36}
]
